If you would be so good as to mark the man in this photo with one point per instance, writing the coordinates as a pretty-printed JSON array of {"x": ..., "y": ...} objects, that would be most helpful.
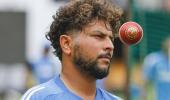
[
  {"x": 157, "y": 70},
  {"x": 81, "y": 34}
]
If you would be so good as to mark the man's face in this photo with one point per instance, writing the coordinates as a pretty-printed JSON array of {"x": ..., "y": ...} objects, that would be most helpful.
[{"x": 93, "y": 49}]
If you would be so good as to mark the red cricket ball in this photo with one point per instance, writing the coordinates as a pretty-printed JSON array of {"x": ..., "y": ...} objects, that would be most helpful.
[{"x": 130, "y": 33}]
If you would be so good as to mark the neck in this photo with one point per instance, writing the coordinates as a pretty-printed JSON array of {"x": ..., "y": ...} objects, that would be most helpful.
[{"x": 81, "y": 85}]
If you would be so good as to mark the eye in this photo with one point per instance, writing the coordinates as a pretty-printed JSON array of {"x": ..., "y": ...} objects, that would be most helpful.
[{"x": 99, "y": 36}]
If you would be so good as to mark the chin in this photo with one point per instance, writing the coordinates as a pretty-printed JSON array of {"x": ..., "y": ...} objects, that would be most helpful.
[
  {"x": 103, "y": 66},
  {"x": 99, "y": 71},
  {"x": 100, "y": 74}
]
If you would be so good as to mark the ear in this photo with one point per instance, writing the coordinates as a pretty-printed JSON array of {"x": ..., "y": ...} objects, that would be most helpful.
[{"x": 65, "y": 43}]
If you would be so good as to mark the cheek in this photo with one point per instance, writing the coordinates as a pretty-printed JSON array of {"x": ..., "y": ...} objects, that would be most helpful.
[{"x": 90, "y": 48}]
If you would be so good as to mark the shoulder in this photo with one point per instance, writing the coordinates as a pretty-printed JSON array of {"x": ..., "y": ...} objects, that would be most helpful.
[
  {"x": 109, "y": 96},
  {"x": 42, "y": 91},
  {"x": 31, "y": 92}
]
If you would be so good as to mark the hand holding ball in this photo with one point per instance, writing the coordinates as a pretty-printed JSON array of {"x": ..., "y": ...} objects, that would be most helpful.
[{"x": 130, "y": 33}]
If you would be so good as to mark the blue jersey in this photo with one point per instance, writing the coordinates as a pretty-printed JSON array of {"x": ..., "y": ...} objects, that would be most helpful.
[
  {"x": 56, "y": 90},
  {"x": 157, "y": 69}
]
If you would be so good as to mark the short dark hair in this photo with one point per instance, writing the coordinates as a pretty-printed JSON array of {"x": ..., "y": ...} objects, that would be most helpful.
[{"x": 79, "y": 13}]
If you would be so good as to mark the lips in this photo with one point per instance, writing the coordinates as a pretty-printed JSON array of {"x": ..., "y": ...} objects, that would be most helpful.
[{"x": 106, "y": 56}]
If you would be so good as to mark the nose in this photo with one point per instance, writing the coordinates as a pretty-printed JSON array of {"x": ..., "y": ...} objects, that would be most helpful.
[{"x": 109, "y": 45}]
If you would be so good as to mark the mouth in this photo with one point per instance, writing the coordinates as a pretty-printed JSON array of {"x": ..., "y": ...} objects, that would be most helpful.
[{"x": 106, "y": 58}]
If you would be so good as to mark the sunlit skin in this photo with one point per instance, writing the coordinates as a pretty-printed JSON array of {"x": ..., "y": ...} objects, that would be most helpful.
[{"x": 95, "y": 43}]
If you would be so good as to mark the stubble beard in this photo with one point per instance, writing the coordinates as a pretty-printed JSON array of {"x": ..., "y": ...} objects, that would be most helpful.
[{"x": 87, "y": 66}]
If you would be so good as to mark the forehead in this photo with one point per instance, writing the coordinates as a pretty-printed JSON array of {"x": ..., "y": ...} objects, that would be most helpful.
[{"x": 98, "y": 25}]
